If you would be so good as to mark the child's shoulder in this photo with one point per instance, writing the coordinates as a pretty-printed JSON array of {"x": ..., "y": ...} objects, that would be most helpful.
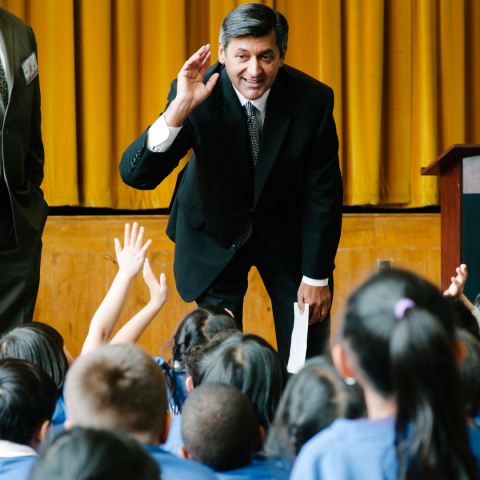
[{"x": 160, "y": 361}]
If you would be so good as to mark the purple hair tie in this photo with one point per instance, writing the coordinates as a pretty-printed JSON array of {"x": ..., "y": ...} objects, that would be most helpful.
[{"x": 402, "y": 306}]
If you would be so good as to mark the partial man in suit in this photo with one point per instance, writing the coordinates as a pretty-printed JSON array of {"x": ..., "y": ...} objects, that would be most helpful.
[
  {"x": 23, "y": 210},
  {"x": 263, "y": 186}
]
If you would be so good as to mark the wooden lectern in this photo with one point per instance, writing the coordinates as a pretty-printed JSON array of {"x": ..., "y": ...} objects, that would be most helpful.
[{"x": 459, "y": 170}]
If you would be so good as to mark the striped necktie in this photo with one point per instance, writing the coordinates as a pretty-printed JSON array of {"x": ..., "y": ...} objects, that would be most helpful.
[
  {"x": 254, "y": 131},
  {"x": 3, "y": 85}
]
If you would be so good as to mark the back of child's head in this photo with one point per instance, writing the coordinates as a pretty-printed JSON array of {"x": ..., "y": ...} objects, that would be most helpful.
[
  {"x": 470, "y": 373},
  {"x": 465, "y": 319},
  {"x": 400, "y": 335},
  {"x": 27, "y": 400},
  {"x": 40, "y": 344},
  {"x": 219, "y": 427},
  {"x": 117, "y": 387},
  {"x": 313, "y": 399},
  {"x": 249, "y": 363},
  {"x": 87, "y": 454}
]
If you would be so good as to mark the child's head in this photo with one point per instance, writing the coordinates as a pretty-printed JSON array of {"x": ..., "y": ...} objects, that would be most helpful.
[
  {"x": 80, "y": 454},
  {"x": 219, "y": 427},
  {"x": 249, "y": 363},
  {"x": 298, "y": 417},
  {"x": 398, "y": 341},
  {"x": 118, "y": 387},
  {"x": 40, "y": 344},
  {"x": 27, "y": 402},
  {"x": 470, "y": 373}
]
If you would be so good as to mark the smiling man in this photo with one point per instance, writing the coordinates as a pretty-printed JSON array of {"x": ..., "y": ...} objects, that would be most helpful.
[{"x": 263, "y": 185}]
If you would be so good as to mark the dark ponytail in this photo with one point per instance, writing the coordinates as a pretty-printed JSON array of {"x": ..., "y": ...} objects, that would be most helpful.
[{"x": 408, "y": 356}]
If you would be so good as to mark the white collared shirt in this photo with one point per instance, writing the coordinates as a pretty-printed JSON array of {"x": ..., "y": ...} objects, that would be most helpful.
[
  {"x": 11, "y": 450},
  {"x": 160, "y": 137}
]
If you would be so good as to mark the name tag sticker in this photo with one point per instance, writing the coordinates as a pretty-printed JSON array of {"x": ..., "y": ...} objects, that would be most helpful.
[{"x": 30, "y": 68}]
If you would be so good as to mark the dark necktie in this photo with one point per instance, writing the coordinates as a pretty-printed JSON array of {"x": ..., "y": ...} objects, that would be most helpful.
[
  {"x": 254, "y": 131},
  {"x": 3, "y": 85}
]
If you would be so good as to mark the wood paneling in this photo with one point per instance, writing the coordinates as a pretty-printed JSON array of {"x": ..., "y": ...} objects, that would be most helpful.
[{"x": 78, "y": 267}]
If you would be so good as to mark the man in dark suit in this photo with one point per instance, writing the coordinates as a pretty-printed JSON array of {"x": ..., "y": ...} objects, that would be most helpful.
[
  {"x": 23, "y": 210},
  {"x": 263, "y": 186}
]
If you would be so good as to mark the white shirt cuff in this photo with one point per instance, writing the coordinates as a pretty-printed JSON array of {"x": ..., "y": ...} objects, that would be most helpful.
[
  {"x": 315, "y": 283},
  {"x": 476, "y": 314},
  {"x": 160, "y": 136}
]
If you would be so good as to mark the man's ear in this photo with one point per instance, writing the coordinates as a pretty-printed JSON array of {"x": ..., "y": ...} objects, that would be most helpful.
[
  {"x": 259, "y": 439},
  {"x": 221, "y": 53},
  {"x": 162, "y": 438},
  {"x": 460, "y": 351},
  {"x": 189, "y": 384},
  {"x": 68, "y": 424},
  {"x": 342, "y": 362},
  {"x": 182, "y": 453}
]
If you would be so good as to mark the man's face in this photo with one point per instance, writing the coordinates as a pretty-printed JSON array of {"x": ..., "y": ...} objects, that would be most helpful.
[{"x": 252, "y": 63}]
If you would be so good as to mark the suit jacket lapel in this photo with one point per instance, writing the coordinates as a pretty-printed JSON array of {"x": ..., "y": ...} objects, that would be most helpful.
[
  {"x": 6, "y": 42},
  {"x": 273, "y": 133},
  {"x": 233, "y": 124}
]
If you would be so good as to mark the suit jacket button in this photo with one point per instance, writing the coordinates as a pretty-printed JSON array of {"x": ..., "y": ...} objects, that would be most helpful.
[{"x": 234, "y": 247}]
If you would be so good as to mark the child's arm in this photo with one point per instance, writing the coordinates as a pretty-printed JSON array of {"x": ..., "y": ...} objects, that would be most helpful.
[
  {"x": 134, "y": 329},
  {"x": 130, "y": 260}
]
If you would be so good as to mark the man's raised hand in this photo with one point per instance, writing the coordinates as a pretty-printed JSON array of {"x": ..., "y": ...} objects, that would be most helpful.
[{"x": 191, "y": 91}]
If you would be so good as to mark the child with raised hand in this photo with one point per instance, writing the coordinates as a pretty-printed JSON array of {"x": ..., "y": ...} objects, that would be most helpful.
[{"x": 398, "y": 342}]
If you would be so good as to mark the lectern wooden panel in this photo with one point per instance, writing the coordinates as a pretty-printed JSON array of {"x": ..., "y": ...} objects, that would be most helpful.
[{"x": 459, "y": 170}]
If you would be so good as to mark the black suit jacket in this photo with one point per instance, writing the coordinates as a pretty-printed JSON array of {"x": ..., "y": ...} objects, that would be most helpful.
[
  {"x": 21, "y": 136},
  {"x": 294, "y": 198}
]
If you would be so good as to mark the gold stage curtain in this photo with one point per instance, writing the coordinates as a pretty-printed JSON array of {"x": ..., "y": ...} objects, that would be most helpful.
[{"x": 406, "y": 77}]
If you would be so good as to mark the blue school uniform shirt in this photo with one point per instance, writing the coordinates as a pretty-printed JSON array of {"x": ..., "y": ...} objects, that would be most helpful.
[
  {"x": 60, "y": 413},
  {"x": 16, "y": 461},
  {"x": 257, "y": 470},
  {"x": 174, "y": 439},
  {"x": 474, "y": 438},
  {"x": 174, "y": 404},
  {"x": 350, "y": 450},
  {"x": 173, "y": 468}
]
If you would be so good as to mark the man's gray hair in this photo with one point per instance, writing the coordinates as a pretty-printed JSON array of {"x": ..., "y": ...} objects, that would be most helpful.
[{"x": 254, "y": 20}]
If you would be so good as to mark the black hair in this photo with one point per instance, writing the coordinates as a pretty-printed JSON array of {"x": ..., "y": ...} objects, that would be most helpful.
[
  {"x": 40, "y": 344},
  {"x": 254, "y": 20},
  {"x": 249, "y": 363},
  {"x": 87, "y": 454},
  {"x": 470, "y": 373},
  {"x": 298, "y": 418},
  {"x": 27, "y": 399},
  {"x": 465, "y": 319},
  {"x": 409, "y": 357},
  {"x": 194, "y": 329},
  {"x": 219, "y": 427}
]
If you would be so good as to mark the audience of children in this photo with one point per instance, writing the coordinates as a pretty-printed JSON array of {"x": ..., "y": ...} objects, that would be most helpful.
[
  {"x": 27, "y": 401},
  {"x": 398, "y": 412},
  {"x": 87, "y": 454}
]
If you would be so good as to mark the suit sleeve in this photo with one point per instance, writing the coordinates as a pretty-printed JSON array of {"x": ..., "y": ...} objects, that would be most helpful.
[
  {"x": 35, "y": 157},
  {"x": 143, "y": 169},
  {"x": 322, "y": 200}
]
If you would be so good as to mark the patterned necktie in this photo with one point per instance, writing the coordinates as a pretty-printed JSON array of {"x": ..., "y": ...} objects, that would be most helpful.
[
  {"x": 254, "y": 131},
  {"x": 3, "y": 85}
]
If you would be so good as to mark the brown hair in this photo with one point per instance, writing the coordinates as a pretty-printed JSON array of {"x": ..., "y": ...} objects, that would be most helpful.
[{"x": 117, "y": 387}]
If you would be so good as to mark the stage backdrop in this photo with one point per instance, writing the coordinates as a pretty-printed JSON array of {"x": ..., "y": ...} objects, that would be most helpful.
[{"x": 406, "y": 76}]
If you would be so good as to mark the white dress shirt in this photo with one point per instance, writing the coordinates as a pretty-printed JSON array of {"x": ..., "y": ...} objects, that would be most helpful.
[
  {"x": 160, "y": 137},
  {"x": 11, "y": 450}
]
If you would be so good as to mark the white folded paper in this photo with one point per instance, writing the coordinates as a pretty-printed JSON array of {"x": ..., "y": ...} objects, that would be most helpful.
[{"x": 298, "y": 348}]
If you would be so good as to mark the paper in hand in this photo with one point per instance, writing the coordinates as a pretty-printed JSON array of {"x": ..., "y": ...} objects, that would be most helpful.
[{"x": 298, "y": 348}]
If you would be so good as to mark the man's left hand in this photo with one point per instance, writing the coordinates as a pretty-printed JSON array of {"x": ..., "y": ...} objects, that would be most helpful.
[{"x": 318, "y": 299}]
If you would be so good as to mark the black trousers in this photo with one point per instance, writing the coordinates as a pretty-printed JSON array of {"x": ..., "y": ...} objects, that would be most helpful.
[
  {"x": 19, "y": 273},
  {"x": 229, "y": 288}
]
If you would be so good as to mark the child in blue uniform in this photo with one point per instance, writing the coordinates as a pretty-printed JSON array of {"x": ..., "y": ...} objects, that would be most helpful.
[
  {"x": 27, "y": 401},
  {"x": 398, "y": 342}
]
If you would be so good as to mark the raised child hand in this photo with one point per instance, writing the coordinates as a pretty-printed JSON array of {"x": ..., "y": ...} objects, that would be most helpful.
[
  {"x": 131, "y": 258},
  {"x": 158, "y": 290},
  {"x": 458, "y": 282}
]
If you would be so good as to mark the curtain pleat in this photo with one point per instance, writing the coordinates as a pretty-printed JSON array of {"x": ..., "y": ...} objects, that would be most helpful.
[{"x": 406, "y": 77}]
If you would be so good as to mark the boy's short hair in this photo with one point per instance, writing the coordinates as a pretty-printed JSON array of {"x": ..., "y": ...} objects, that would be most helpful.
[
  {"x": 79, "y": 454},
  {"x": 219, "y": 426},
  {"x": 117, "y": 387},
  {"x": 27, "y": 399}
]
